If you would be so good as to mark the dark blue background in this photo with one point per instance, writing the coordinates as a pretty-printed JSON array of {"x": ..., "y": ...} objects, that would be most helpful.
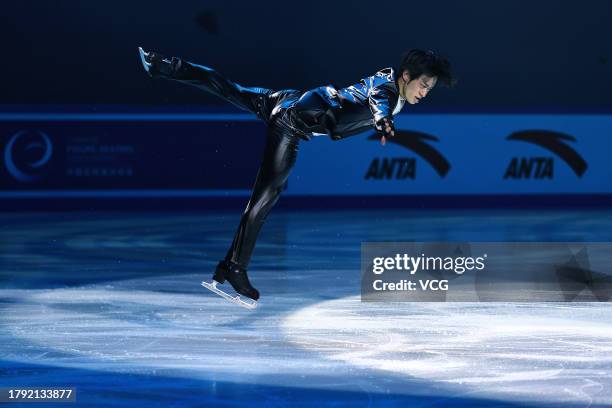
[
  {"x": 508, "y": 54},
  {"x": 70, "y": 56}
]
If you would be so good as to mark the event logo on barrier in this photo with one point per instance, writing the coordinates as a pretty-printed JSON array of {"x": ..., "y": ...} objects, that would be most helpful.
[
  {"x": 405, "y": 167},
  {"x": 127, "y": 152},
  {"x": 543, "y": 167},
  {"x": 27, "y": 154}
]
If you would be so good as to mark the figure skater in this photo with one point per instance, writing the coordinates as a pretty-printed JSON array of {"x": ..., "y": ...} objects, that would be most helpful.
[{"x": 293, "y": 115}]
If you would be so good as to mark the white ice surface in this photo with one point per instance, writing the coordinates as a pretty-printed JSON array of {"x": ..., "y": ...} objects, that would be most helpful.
[{"x": 510, "y": 352}]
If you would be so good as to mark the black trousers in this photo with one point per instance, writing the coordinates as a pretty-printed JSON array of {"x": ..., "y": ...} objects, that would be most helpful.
[
  {"x": 280, "y": 153},
  {"x": 283, "y": 135}
]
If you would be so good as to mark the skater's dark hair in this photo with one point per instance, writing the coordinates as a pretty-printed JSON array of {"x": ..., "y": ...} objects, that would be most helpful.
[{"x": 419, "y": 62}]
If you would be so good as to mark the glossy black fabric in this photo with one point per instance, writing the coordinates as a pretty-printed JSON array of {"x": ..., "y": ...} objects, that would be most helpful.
[
  {"x": 278, "y": 159},
  {"x": 324, "y": 110},
  {"x": 291, "y": 115}
]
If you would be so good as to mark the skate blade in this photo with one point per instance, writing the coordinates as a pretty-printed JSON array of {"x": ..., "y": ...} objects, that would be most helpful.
[{"x": 234, "y": 299}]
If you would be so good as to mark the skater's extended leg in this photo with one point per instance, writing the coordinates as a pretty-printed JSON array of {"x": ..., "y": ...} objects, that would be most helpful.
[{"x": 252, "y": 99}]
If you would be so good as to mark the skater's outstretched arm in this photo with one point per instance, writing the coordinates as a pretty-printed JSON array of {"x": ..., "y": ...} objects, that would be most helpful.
[
  {"x": 205, "y": 78},
  {"x": 381, "y": 100}
]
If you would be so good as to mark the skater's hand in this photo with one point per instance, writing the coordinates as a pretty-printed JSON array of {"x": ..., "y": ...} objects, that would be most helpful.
[{"x": 385, "y": 127}]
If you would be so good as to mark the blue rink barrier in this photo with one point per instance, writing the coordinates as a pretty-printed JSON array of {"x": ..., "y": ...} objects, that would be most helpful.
[
  {"x": 463, "y": 158},
  {"x": 464, "y": 155},
  {"x": 68, "y": 154}
]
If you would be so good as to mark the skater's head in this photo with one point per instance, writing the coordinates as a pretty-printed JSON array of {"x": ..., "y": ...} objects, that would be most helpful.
[{"x": 419, "y": 72}]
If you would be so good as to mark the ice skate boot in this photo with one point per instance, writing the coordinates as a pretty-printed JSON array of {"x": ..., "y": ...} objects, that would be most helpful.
[
  {"x": 158, "y": 65},
  {"x": 237, "y": 277}
]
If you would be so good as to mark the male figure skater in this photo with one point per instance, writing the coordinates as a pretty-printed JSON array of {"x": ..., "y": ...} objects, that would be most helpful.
[{"x": 292, "y": 115}]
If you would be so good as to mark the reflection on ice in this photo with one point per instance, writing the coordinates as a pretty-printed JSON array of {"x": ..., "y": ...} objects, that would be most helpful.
[
  {"x": 128, "y": 303},
  {"x": 511, "y": 352},
  {"x": 541, "y": 352}
]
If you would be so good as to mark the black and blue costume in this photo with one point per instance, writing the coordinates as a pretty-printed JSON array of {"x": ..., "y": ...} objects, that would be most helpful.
[{"x": 291, "y": 116}]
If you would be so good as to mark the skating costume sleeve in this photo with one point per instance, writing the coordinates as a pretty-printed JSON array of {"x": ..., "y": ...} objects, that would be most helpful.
[{"x": 382, "y": 94}]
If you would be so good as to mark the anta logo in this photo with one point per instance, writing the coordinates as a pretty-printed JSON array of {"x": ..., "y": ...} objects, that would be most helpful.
[
  {"x": 543, "y": 167},
  {"x": 397, "y": 167},
  {"x": 405, "y": 167},
  {"x": 530, "y": 167}
]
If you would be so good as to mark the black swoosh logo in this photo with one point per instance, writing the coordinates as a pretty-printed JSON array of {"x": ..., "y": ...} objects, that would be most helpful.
[
  {"x": 415, "y": 141},
  {"x": 553, "y": 141}
]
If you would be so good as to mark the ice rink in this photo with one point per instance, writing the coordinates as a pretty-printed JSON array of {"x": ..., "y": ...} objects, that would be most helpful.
[{"x": 111, "y": 304}]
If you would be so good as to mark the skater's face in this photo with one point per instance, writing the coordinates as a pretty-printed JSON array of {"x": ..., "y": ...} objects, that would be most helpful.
[{"x": 413, "y": 90}]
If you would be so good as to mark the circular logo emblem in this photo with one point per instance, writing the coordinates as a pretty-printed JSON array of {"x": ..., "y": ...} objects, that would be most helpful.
[{"x": 26, "y": 155}]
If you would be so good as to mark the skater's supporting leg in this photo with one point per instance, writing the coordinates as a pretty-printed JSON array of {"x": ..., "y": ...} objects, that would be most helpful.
[{"x": 278, "y": 160}]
